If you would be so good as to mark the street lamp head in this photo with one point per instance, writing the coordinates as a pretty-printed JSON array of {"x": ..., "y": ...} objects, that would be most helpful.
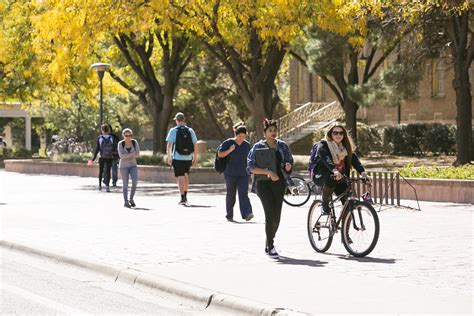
[{"x": 101, "y": 68}]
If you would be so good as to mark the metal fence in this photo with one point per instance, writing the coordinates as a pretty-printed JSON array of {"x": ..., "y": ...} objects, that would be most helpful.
[{"x": 385, "y": 187}]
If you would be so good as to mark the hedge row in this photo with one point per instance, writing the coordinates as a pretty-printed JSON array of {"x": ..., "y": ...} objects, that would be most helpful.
[{"x": 408, "y": 140}]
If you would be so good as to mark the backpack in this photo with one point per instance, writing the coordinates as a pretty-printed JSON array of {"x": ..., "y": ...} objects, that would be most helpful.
[
  {"x": 184, "y": 142},
  {"x": 313, "y": 158},
  {"x": 134, "y": 143},
  {"x": 220, "y": 163},
  {"x": 106, "y": 147}
]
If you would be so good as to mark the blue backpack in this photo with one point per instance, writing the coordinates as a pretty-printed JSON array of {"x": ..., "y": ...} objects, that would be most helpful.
[{"x": 313, "y": 158}]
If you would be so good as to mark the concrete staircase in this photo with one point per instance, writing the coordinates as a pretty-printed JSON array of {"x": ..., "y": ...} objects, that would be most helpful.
[{"x": 307, "y": 119}]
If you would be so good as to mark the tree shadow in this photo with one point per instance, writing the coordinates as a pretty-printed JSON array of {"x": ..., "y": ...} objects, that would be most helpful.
[
  {"x": 300, "y": 262},
  {"x": 167, "y": 189}
]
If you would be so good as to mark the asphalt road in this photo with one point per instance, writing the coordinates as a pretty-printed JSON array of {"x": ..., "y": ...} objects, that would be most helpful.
[{"x": 32, "y": 286}]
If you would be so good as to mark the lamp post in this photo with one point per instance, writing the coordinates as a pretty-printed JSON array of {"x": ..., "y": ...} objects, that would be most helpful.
[{"x": 101, "y": 68}]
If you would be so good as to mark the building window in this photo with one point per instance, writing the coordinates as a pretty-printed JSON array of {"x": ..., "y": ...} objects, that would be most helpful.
[
  {"x": 438, "y": 79},
  {"x": 320, "y": 89},
  {"x": 301, "y": 71}
]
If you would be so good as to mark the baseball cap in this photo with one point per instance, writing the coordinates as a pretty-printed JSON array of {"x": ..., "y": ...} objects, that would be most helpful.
[{"x": 179, "y": 116}]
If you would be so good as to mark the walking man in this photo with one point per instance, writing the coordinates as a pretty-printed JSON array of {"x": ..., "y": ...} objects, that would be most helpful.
[{"x": 181, "y": 153}]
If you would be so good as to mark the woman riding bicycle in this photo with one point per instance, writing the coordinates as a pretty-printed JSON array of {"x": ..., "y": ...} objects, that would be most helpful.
[{"x": 336, "y": 158}]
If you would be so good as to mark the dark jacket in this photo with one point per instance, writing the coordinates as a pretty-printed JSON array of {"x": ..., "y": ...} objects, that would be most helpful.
[{"x": 326, "y": 165}]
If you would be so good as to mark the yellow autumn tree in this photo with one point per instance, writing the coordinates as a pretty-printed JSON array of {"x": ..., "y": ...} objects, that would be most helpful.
[
  {"x": 250, "y": 38},
  {"x": 147, "y": 54}
]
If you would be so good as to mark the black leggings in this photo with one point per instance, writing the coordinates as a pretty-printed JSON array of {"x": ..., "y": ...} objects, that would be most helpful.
[
  {"x": 271, "y": 194},
  {"x": 329, "y": 185},
  {"x": 107, "y": 164}
]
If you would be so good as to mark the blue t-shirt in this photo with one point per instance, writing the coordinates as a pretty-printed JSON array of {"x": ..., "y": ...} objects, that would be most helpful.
[
  {"x": 237, "y": 163},
  {"x": 171, "y": 138}
]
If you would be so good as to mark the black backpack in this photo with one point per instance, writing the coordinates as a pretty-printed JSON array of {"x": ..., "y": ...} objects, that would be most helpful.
[
  {"x": 107, "y": 147},
  {"x": 220, "y": 163},
  {"x": 184, "y": 142}
]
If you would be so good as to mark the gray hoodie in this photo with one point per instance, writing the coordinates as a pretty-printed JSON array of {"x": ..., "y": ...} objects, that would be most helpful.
[{"x": 128, "y": 155}]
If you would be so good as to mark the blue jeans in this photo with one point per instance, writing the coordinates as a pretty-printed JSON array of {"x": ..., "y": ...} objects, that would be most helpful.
[
  {"x": 238, "y": 184},
  {"x": 133, "y": 173}
]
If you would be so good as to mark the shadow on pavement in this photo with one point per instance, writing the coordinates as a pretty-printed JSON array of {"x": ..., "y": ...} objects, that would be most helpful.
[
  {"x": 201, "y": 206},
  {"x": 3, "y": 203},
  {"x": 142, "y": 209},
  {"x": 370, "y": 259},
  {"x": 301, "y": 262},
  {"x": 167, "y": 189}
]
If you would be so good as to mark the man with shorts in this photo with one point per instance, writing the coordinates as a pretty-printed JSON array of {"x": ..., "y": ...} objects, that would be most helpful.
[{"x": 181, "y": 152}]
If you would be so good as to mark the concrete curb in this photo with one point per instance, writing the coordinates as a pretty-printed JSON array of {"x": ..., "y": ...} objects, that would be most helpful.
[{"x": 191, "y": 292}]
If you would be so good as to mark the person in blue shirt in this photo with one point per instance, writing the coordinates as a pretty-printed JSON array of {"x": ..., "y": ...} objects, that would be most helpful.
[
  {"x": 271, "y": 189},
  {"x": 181, "y": 153},
  {"x": 235, "y": 173}
]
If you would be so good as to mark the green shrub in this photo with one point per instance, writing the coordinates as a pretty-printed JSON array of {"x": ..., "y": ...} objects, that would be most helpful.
[
  {"x": 15, "y": 153},
  {"x": 368, "y": 139},
  {"x": 465, "y": 172},
  {"x": 417, "y": 139},
  {"x": 440, "y": 138},
  {"x": 153, "y": 160}
]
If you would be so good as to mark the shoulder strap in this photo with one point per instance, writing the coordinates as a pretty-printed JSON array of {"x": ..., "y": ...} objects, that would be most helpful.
[{"x": 133, "y": 143}]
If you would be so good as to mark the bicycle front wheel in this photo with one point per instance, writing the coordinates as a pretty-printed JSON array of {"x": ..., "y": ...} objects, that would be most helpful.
[
  {"x": 298, "y": 194},
  {"x": 319, "y": 228},
  {"x": 360, "y": 229}
]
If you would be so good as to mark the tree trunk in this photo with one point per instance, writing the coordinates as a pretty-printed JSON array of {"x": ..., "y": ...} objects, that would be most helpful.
[
  {"x": 262, "y": 107},
  {"x": 161, "y": 121},
  {"x": 464, "y": 112},
  {"x": 350, "y": 111}
]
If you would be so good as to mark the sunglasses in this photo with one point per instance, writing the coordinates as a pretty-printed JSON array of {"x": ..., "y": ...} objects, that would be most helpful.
[
  {"x": 338, "y": 133},
  {"x": 127, "y": 135}
]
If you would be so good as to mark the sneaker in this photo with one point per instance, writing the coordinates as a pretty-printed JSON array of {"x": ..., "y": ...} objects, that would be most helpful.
[
  {"x": 273, "y": 253},
  {"x": 266, "y": 250},
  {"x": 249, "y": 217},
  {"x": 99, "y": 188},
  {"x": 132, "y": 203},
  {"x": 325, "y": 210},
  {"x": 126, "y": 204},
  {"x": 229, "y": 218},
  {"x": 114, "y": 184},
  {"x": 107, "y": 188},
  {"x": 183, "y": 202}
]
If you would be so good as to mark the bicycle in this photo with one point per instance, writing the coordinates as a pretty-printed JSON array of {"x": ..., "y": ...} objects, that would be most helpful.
[
  {"x": 300, "y": 192},
  {"x": 358, "y": 222}
]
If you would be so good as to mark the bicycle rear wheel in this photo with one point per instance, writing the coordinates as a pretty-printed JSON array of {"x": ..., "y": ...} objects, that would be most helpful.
[
  {"x": 319, "y": 228},
  {"x": 360, "y": 229},
  {"x": 298, "y": 194}
]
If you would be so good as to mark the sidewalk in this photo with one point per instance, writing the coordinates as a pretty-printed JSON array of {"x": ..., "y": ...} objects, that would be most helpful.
[{"x": 422, "y": 263}]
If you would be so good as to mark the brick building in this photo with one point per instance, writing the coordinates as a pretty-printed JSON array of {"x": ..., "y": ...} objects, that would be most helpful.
[{"x": 435, "y": 103}]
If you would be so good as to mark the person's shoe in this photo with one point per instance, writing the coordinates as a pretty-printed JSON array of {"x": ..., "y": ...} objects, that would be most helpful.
[
  {"x": 273, "y": 253},
  {"x": 132, "y": 203},
  {"x": 325, "y": 210},
  {"x": 183, "y": 202},
  {"x": 126, "y": 204},
  {"x": 99, "y": 188},
  {"x": 114, "y": 184},
  {"x": 266, "y": 250},
  {"x": 249, "y": 217},
  {"x": 107, "y": 188},
  {"x": 229, "y": 218}
]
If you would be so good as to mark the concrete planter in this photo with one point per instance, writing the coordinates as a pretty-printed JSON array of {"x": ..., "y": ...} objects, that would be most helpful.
[
  {"x": 439, "y": 190},
  {"x": 145, "y": 173}
]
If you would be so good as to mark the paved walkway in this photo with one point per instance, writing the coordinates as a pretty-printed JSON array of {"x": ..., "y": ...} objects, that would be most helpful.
[{"x": 422, "y": 263}]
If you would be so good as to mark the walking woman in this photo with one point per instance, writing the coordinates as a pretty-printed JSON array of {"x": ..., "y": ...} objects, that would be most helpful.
[
  {"x": 336, "y": 158},
  {"x": 235, "y": 173},
  {"x": 271, "y": 189},
  {"x": 128, "y": 150}
]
